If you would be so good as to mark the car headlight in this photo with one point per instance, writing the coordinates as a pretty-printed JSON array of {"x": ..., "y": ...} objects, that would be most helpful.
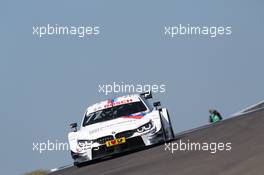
[{"x": 145, "y": 127}]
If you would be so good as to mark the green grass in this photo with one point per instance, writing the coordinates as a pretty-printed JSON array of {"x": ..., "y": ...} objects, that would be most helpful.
[{"x": 37, "y": 172}]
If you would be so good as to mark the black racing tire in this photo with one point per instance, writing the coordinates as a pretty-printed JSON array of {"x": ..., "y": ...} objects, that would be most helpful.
[
  {"x": 162, "y": 127},
  {"x": 165, "y": 136},
  {"x": 171, "y": 129},
  {"x": 78, "y": 164}
]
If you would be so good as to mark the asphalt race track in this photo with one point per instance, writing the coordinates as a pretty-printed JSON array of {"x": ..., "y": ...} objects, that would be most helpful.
[{"x": 246, "y": 133}]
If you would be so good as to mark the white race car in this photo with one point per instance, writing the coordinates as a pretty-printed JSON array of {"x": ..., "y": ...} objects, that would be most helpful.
[{"x": 118, "y": 125}]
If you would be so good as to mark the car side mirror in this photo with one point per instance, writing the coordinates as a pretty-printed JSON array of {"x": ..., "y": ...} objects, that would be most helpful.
[
  {"x": 156, "y": 104},
  {"x": 73, "y": 126},
  {"x": 146, "y": 95}
]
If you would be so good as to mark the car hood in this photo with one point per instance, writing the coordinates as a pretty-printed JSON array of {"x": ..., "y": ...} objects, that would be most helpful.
[{"x": 111, "y": 127}]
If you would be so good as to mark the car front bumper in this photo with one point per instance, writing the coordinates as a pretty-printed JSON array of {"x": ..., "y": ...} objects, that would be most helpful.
[{"x": 146, "y": 139}]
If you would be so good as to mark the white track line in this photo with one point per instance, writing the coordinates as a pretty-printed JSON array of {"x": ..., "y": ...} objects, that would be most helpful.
[{"x": 247, "y": 109}]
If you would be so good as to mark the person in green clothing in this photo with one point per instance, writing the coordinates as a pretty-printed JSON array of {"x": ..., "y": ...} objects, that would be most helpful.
[{"x": 215, "y": 116}]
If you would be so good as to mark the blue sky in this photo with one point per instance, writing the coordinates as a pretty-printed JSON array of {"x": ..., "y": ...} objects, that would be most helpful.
[{"x": 47, "y": 83}]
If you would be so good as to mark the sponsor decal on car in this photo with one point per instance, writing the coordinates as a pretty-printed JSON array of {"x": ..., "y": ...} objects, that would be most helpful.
[
  {"x": 116, "y": 102},
  {"x": 116, "y": 141},
  {"x": 95, "y": 130},
  {"x": 112, "y": 102}
]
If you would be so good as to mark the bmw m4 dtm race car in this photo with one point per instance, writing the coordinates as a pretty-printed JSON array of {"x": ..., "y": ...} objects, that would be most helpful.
[{"x": 119, "y": 125}]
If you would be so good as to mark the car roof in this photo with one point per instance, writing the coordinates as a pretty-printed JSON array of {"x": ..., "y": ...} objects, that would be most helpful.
[{"x": 113, "y": 102}]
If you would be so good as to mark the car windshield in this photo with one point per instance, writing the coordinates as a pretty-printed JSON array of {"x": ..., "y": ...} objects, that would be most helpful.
[{"x": 113, "y": 113}]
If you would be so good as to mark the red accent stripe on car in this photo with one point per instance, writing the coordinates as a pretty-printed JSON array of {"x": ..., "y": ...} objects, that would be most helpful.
[{"x": 134, "y": 117}]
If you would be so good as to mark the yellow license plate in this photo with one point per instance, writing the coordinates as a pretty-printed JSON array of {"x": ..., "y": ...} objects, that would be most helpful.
[{"x": 114, "y": 142}]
